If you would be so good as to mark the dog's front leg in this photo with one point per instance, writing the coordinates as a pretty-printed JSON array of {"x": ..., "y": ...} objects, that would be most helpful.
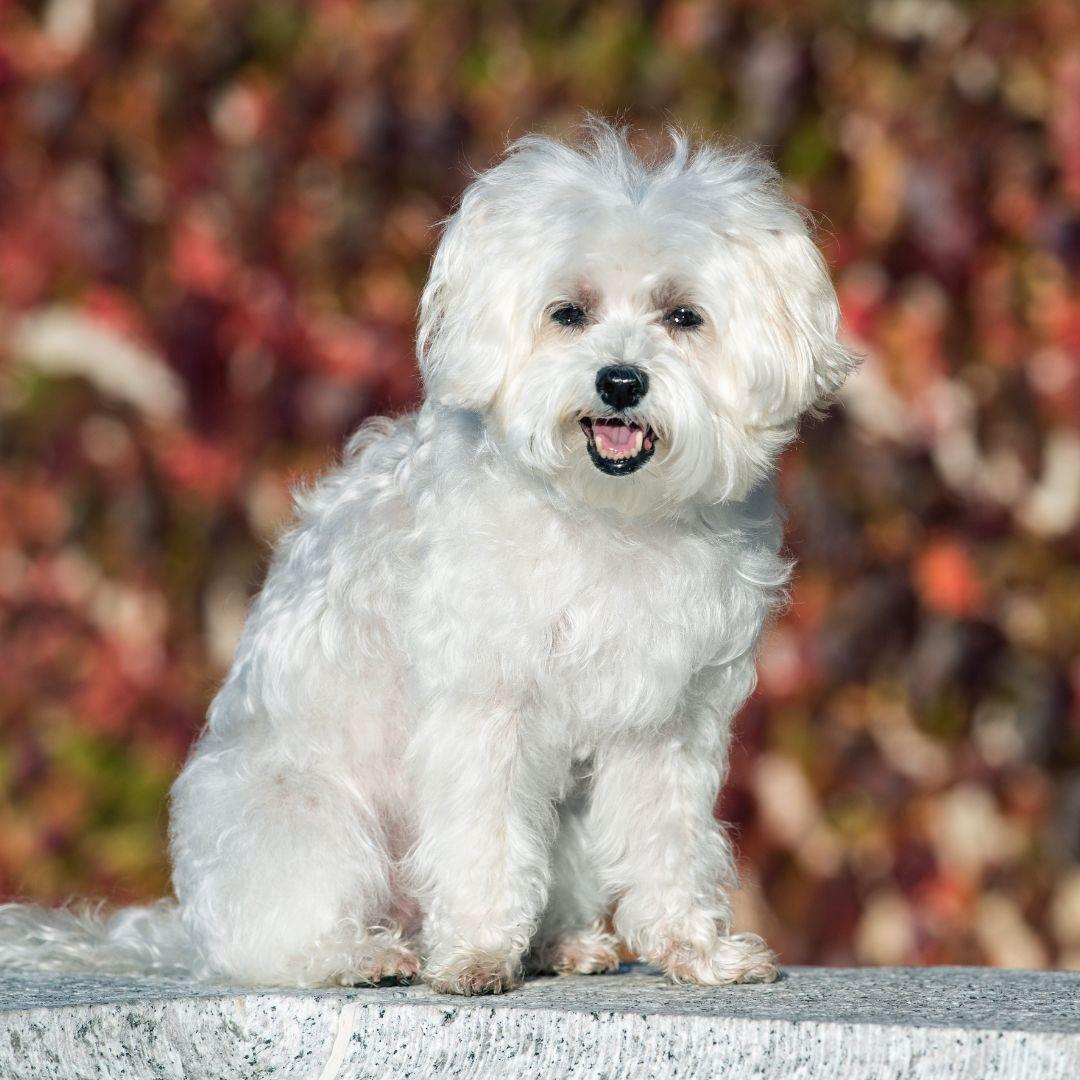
[
  {"x": 485, "y": 798},
  {"x": 668, "y": 859}
]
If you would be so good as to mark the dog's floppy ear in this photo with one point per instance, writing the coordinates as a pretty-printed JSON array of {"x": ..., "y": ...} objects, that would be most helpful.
[
  {"x": 465, "y": 334},
  {"x": 783, "y": 318}
]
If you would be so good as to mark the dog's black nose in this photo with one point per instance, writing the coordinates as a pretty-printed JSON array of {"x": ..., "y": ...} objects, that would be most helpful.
[{"x": 621, "y": 386}]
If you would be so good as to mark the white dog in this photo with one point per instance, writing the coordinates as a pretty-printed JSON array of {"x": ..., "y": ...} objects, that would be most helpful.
[{"x": 479, "y": 715}]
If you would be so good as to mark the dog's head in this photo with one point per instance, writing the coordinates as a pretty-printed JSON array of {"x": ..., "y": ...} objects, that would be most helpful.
[{"x": 644, "y": 335}]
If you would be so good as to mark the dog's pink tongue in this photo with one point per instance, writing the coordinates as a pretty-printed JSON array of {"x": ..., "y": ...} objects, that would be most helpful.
[{"x": 613, "y": 436}]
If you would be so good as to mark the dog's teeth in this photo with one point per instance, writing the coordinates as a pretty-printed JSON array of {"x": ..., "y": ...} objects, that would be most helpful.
[{"x": 612, "y": 453}]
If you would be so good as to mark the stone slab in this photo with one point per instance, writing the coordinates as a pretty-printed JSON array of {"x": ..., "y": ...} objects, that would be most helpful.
[{"x": 817, "y": 1022}]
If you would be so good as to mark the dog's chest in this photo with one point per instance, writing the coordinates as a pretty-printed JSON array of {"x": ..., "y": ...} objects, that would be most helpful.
[
  {"x": 630, "y": 620},
  {"x": 602, "y": 627}
]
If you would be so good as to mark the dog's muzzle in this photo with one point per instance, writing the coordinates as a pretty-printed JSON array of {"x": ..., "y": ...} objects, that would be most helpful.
[{"x": 619, "y": 446}]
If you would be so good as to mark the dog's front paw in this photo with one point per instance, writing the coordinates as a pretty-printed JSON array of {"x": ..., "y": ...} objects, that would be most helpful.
[
  {"x": 472, "y": 973},
  {"x": 738, "y": 958},
  {"x": 583, "y": 952},
  {"x": 380, "y": 963}
]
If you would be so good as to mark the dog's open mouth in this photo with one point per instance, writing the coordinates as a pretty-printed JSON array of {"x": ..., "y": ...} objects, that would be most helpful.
[{"x": 617, "y": 447}]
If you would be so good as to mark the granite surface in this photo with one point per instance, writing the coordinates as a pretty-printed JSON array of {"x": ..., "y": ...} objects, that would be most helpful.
[{"x": 921, "y": 1022}]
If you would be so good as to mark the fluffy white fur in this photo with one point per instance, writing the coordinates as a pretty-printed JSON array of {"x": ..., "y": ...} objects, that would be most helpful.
[{"x": 480, "y": 712}]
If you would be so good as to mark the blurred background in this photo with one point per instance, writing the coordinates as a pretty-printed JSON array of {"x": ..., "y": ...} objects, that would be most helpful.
[{"x": 215, "y": 217}]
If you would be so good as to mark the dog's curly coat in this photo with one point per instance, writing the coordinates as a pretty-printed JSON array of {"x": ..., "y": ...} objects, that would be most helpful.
[{"x": 485, "y": 696}]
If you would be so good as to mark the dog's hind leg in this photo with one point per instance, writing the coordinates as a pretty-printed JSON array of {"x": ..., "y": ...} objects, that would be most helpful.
[
  {"x": 283, "y": 872},
  {"x": 574, "y": 937}
]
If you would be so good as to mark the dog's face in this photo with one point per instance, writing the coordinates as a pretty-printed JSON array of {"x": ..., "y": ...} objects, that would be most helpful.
[{"x": 641, "y": 337}]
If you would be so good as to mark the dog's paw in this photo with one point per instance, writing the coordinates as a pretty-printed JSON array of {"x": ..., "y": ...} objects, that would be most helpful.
[
  {"x": 382, "y": 963},
  {"x": 739, "y": 958},
  {"x": 473, "y": 973},
  {"x": 585, "y": 952}
]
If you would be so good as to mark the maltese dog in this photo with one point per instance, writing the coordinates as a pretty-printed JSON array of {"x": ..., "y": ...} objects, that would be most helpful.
[{"x": 479, "y": 715}]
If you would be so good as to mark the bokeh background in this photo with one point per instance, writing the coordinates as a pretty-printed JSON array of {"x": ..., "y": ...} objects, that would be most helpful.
[{"x": 215, "y": 217}]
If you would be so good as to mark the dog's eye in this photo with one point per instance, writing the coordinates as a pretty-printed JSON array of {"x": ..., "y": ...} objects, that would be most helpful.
[
  {"x": 686, "y": 317},
  {"x": 569, "y": 315}
]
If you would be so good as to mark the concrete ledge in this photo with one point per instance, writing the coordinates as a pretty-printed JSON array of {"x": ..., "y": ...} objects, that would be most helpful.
[{"x": 817, "y": 1022}]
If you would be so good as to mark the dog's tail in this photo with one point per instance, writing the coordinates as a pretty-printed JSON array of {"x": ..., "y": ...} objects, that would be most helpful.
[{"x": 89, "y": 938}]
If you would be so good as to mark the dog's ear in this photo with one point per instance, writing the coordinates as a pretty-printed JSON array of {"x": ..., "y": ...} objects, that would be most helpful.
[
  {"x": 783, "y": 318},
  {"x": 465, "y": 337}
]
